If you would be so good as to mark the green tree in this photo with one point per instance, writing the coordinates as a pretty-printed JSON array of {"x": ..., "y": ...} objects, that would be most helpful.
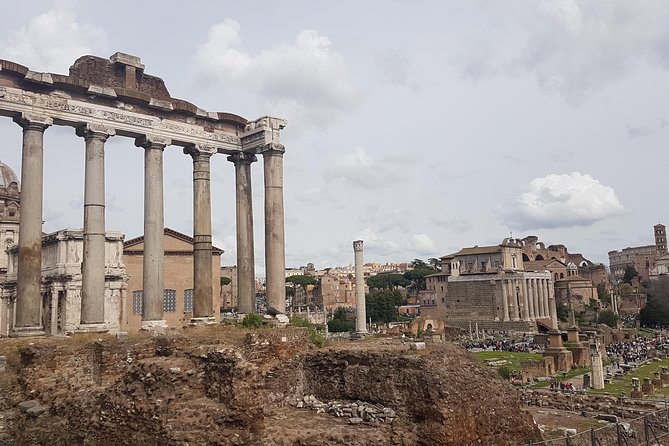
[
  {"x": 626, "y": 289},
  {"x": 434, "y": 263},
  {"x": 608, "y": 317},
  {"x": 387, "y": 281},
  {"x": 225, "y": 281},
  {"x": 341, "y": 322},
  {"x": 417, "y": 277},
  {"x": 630, "y": 273},
  {"x": 562, "y": 312},
  {"x": 656, "y": 311},
  {"x": 382, "y": 306},
  {"x": 301, "y": 280}
]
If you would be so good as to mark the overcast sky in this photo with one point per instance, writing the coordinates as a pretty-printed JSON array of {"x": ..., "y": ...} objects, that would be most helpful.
[{"x": 418, "y": 127}]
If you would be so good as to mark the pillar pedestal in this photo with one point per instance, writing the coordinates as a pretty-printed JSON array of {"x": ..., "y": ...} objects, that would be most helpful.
[{"x": 203, "y": 320}]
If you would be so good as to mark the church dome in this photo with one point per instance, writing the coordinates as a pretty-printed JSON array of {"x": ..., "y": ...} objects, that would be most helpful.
[{"x": 7, "y": 176}]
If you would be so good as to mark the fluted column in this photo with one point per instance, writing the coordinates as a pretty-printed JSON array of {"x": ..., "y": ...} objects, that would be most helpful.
[
  {"x": 93, "y": 264},
  {"x": 505, "y": 301},
  {"x": 29, "y": 299},
  {"x": 203, "y": 295},
  {"x": 154, "y": 230},
  {"x": 246, "y": 290},
  {"x": 526, "y": 313},
  {"x": 360, "y": 306},
  {"x": 532, "y": 298},
  {"x": 275, "y": 249},
  {"x": 540, "y": 301}
]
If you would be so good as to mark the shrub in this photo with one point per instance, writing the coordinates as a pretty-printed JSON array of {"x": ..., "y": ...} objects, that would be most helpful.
[
  {"x": 253, "y": 320},
  {"x": 316, "y": 338}
]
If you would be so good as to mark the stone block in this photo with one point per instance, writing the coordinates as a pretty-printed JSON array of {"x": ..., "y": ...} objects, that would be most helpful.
[
  {"x": 122, "y": 335},
  {"x": 25, "y": 405},
  {"x": 3, "y": 363},
  {"x": 36, "y": 411},
  {"x": 416, "y": 345},
  {"x": 355, "y": 420}
]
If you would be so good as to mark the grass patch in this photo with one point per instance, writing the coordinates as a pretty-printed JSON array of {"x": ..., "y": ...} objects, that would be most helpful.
[
  {"x": 645, "y": 371},
  {"x": 564, "y": 377}
]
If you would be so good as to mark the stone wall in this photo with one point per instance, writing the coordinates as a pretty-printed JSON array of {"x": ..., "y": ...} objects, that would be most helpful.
[{"x": 473, "y": 299}]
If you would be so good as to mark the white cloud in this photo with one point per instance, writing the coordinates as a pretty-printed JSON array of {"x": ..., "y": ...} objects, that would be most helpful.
[
  {"x": 360, "y": 170},
  {"x": 307, "y": 79},
  {"x": 570, "y": 46},
  {"x": 375, "y": 245},
  {"x": 564, "y": 200},
  {"x": 422, "y": 244},
  {"x": 53, "y": 41}
]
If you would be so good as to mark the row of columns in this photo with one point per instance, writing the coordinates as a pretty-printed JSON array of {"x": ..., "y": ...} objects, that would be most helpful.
[
  {"x": 28, "y": 302},
  {"x": 528, "y": 299}
]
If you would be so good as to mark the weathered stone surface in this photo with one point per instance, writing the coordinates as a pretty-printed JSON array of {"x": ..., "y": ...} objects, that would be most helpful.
[
  {"x": 25, "y": 405},
  {"x": 36, "y": 411},
  {"x": 3, "y": 363}
]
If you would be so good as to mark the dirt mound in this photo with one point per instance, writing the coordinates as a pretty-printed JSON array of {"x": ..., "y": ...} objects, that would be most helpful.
[{"x": 188, "y": 390}]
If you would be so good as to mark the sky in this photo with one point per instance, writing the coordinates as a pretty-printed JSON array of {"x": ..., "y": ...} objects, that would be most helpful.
[{"x": 417, "y": 127}]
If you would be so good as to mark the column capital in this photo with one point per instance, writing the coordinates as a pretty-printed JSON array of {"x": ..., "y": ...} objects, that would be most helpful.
[
  {"x": 242, "y": 158},
  {"x": 31, "y": 121},
  {"x": 152, "y": 142},
  {"x": 196, "y": 150},
  {"x": 95, "y": 131},
  {"x": 272, "y": 149},
  {"x": 357, "y": 245}
]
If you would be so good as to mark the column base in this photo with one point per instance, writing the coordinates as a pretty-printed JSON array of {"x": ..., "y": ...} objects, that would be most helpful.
[
  {"x": 99, "y": 327},
  {"x": 208, "y": 320},
  {"x": 27, "y": 332},
  {"x": 359, "y": 335},
  {"x": 158, "y": 326}
]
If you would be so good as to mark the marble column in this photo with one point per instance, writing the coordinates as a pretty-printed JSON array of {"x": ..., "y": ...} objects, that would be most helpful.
[
  {"x": 526, "y": 313},
  {"x": 246, "y": 276},
  {"x": 542, "y": 298},
  {"x": 93, "y": 264},
  {"x": 532, "y": 297},
  {"x": 203, "y": 293},
  {"x": 360, "y": 308},
  {"x": 275, "y": 249},
  {"x": 547, "y": 296},
  {"x": 552, "y": 309},
  {"x": 505, "y": 301},
  {"x": 154, "y": 231},
  {"x": 29, "y": 297}
]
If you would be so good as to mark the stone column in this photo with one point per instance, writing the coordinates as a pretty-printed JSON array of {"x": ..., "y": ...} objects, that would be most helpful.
[
  {"x": 532, "y": 297},
  {"x": 203, "y": 293},
  {"x": 54, "y": 311},
  {"x": 547, "y": 295},
  {"x": 93, "y": 264},
  {"x": 540, "y": 301},
  {"x": 515, "y": 299},
  {"x": 275, "y": 249},
  {"x": 360, "y": 309},
  {"x": 246, "y": 276},
  {"x": 29, "y": 298},
  {"x": 3, "y": 314},
  {"x": 505, "y": 301},
  {"x": 526, "y": 313},
  {"x": 154, "y": 231},
  {"x": 552, "y": 308}
]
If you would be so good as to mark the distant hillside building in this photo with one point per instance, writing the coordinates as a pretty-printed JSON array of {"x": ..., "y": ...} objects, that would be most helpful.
[{"x": 642, "y": 258}]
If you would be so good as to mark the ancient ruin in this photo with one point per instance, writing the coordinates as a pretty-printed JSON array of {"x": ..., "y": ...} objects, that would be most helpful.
[
  {"x": 103, "y": 98},
  {"x": 360, "y": 310}
]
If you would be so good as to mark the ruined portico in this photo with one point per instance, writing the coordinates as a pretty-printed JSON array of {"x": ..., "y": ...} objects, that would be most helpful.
[{"x": 103, "y": 98}]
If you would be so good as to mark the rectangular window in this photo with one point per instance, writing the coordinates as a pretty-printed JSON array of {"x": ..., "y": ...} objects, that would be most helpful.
[
  {"x": 188, "y": 301},
  {"x": 137, "y": 298},
  {"x": 169, "y": 301}
]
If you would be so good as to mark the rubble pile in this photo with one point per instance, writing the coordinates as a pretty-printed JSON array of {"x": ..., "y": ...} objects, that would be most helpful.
[{"x": 357, "y": 411}]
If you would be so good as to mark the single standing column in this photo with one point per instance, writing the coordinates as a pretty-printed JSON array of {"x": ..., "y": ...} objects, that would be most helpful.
[
  {"x": 275, "y": 249},
  {"x": 547, "y": 294},
  {"x": 505, "y": 301},
  {"x": 154, "y": 231},
  {"x": 29, "y": 298},
  {"x": 532, "y": 298},
  {"x": 515, "y": 290},
  {"x": 203, "y": 299},
  {"x": 93, "y": 264},
  {"x": 246, "y": 289},
  {"x": 526, "y": 313},
  {"x": 360, "y": 309},
  {"x": 552, "y": 309}
]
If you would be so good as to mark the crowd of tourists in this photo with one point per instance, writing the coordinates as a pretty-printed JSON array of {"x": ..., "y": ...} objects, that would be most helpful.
[{"x": 636, "y": 350}]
